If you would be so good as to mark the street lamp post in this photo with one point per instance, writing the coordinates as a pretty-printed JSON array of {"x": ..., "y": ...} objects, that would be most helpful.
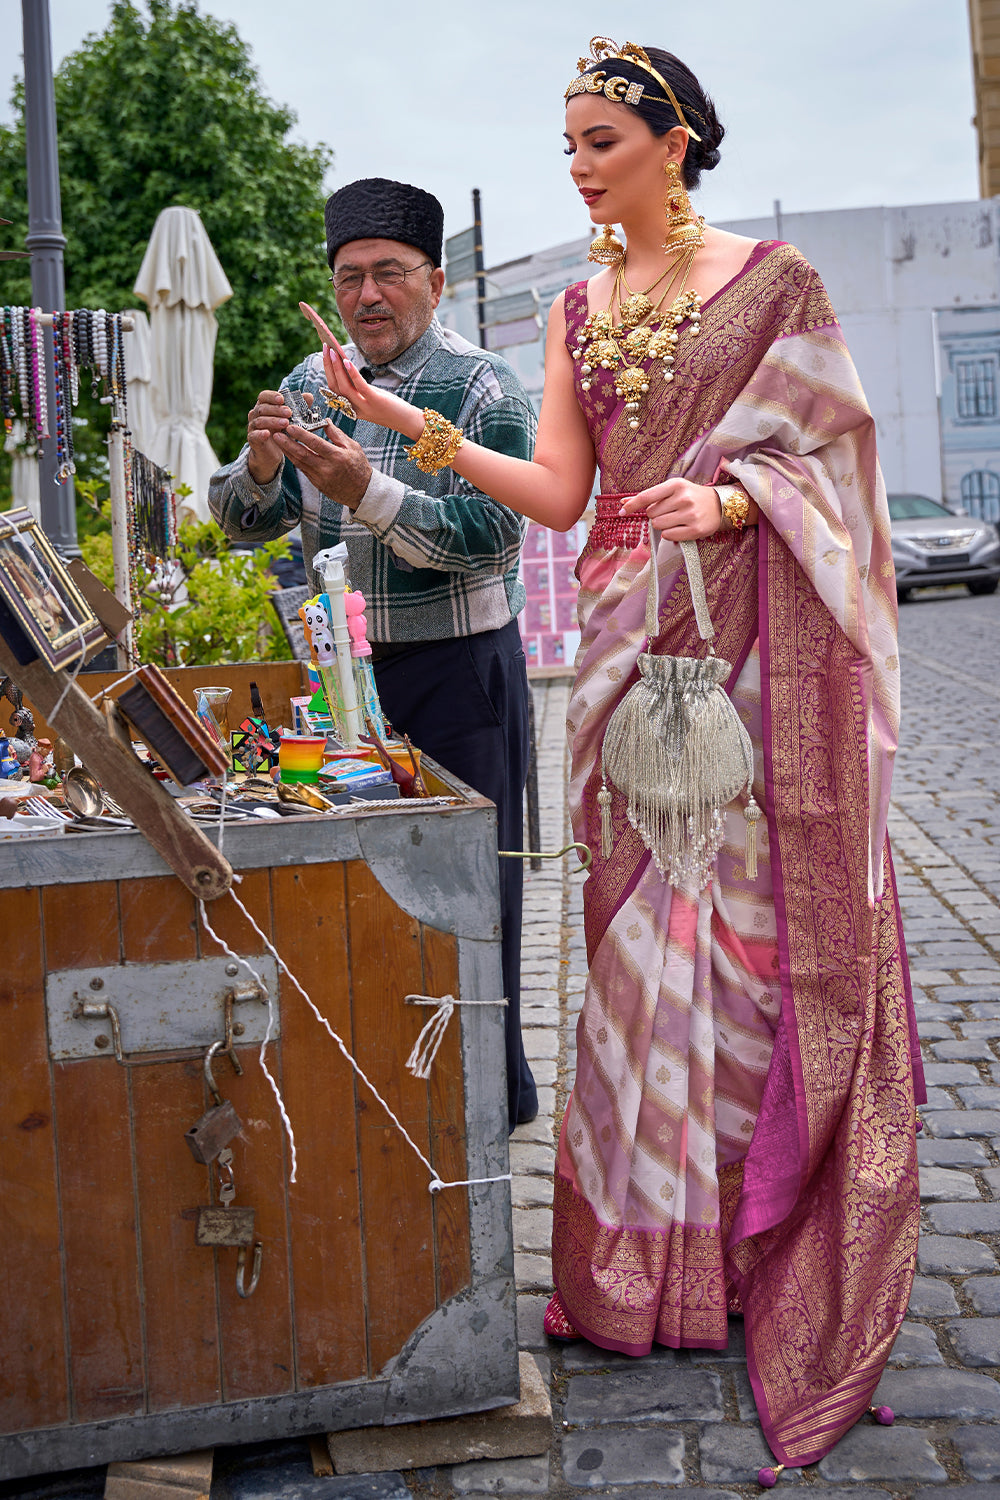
[{"x": 46, "y": 242}]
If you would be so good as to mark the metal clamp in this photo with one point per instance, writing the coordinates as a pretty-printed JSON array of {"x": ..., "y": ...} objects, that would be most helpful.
[
  {"x": 101, "y": 1010},
  {"x": 241, "y": 1261},
  {"x": 226, "y": 1045}
]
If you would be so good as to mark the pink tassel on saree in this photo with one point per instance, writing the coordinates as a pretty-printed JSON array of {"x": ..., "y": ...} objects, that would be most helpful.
[{"x": 740, "y": 1135}]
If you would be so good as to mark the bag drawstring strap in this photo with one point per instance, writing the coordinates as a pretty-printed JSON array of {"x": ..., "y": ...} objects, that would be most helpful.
[{"x": 696, "y": 582}]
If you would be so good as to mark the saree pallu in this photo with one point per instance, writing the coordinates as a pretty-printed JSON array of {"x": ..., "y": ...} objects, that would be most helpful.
[{"x": 740, "y": 1135}]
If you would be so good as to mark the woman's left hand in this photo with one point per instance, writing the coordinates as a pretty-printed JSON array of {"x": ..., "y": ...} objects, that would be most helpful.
[{"x": 679, "y": 510}]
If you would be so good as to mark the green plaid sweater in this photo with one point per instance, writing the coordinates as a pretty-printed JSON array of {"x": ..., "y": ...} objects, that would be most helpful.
[{"x": 433, "y": 556}]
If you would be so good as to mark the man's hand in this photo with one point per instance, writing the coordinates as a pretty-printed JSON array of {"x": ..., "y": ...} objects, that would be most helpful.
[
  {"x": 269, "y": 416},
  {"x": 335, "y": 463}
]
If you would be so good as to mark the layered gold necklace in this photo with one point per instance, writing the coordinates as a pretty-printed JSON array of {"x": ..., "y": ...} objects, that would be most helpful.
[{"x": 645, "y": 330}]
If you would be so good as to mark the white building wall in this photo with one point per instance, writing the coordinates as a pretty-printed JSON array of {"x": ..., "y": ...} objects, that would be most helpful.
[{"x": 888, "y": 270}]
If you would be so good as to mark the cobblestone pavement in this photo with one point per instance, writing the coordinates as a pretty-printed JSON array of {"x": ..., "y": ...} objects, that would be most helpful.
[{"x": 676, "y": 1422}]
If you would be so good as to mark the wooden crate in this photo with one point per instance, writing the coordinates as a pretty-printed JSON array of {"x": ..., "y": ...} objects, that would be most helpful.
[
  {"x": 278, "y": 681},
  {"x": 378, "y": 1301}
]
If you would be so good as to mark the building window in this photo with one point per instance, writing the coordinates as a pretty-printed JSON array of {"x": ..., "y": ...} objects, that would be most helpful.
[
  {"x": 981, "y": 494},
  {"x": 976, "y": 385}
]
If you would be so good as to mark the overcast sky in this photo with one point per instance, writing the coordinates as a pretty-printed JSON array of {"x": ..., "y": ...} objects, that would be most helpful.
[{"x": 826, "y": 106}]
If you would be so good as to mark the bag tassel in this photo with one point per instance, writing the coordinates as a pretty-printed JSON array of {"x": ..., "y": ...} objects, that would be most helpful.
[
  {"x": 752, "y": 815},
  {"x": 604, "y": 803}
]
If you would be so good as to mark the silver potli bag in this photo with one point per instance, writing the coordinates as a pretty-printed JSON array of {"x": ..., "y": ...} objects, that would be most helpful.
[{"x": 676, "y": 748}]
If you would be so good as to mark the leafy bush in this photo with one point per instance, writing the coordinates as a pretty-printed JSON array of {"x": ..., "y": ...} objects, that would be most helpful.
[
  {"x": 165, "y": 106},
  {"x": 227, "y": 615}
]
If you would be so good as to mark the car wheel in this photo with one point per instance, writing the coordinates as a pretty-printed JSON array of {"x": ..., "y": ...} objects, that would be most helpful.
[
  {"x": 983, "y": 585},
  {"x": 903, "y": 595}
]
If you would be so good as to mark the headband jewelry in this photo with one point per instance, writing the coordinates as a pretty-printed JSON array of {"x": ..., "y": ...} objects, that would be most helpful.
[{"x": 616, "y": 88}]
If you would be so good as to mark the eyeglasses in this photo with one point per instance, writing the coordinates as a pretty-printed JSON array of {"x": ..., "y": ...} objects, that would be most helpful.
[{"x": 353, "y": 281}]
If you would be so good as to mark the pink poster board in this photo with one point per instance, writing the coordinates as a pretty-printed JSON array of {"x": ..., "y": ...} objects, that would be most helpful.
[{"x": 548, "y": 622}]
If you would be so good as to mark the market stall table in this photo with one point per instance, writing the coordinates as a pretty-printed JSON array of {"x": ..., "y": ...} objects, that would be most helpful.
[{"x": 378, "y": 1301}]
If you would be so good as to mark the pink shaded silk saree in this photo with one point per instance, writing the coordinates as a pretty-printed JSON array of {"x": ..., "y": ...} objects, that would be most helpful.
[{"x": 740, "y": 1136}]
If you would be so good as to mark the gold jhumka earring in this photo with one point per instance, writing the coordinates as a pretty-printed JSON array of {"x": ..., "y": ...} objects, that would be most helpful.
[
  {"x": 684, "y": 228},
  {"x": 607, "y": 249}
]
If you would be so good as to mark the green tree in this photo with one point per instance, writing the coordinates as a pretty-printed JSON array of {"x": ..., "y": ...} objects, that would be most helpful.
[{"x": 164, "y": 108}]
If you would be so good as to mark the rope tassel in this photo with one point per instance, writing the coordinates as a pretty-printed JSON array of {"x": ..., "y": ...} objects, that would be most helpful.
[
  {"x": 427, "y": 1045},
  {"x": 425, "y": 1048}
]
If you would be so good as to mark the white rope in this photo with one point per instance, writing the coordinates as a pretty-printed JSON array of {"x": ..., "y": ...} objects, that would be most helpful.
[
  {"x": 73, "y": 676},
  {"x": 425, "y": 1048},
  {"x": 268, "y": 1031},
  {"x": 436, "y": 1183},
  {"x": 112, "y": 685}
]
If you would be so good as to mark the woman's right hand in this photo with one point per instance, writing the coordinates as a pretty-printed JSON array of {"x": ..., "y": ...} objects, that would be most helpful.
[{"x": 370, "y": 403}]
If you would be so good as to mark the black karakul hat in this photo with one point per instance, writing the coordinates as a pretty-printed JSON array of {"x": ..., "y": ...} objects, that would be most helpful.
[{"x": 375, "y": 208}]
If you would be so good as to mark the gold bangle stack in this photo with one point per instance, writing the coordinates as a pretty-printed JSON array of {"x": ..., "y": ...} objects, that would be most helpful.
[
  {"x": 735, "y": 504},
  {"x": 437, "y": 445}
]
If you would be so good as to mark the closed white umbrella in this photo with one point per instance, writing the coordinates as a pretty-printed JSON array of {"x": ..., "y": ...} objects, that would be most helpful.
[
  {"x": 182, "y": 282},
  {"x": 139, "y": 374},
  {"x": 23, "y": 471}
]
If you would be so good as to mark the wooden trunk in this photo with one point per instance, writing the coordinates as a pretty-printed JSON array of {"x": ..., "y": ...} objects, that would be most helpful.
[{"x": 378, "y": 1301}]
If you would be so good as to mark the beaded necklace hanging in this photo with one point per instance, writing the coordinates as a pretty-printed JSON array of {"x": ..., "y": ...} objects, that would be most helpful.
[
  {"x": 6, "y": 369},
  {"x": 646, "y": 331}
]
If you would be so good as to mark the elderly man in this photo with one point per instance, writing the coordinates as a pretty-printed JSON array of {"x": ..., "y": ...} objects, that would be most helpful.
[{"x": 435, "y": 559}]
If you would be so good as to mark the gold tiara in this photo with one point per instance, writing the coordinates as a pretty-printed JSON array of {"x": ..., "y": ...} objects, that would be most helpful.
[{"x": 616, "y": 88}]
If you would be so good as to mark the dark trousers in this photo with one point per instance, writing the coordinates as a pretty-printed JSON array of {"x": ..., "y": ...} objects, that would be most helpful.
[{"x": 465, "y": 702}]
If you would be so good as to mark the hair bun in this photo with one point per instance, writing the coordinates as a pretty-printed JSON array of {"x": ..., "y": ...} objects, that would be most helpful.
[{"x": 702, "y": 155}]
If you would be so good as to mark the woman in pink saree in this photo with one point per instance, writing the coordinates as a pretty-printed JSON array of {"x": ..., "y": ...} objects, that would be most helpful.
[{"x": 740, "y": 1138}]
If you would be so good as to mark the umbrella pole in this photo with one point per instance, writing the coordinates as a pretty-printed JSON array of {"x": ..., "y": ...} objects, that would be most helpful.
[{"x": 119, "y": 536}]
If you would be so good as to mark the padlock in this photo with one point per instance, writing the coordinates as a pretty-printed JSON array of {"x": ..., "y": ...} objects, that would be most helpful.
[
  {"x": 213, "y": 1132},
  {"x": 225, "y": 1227}
]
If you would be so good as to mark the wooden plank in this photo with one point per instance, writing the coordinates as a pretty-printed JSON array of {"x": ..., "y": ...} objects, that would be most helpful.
[
  {"x": 447, "y": 1089},
  {"x": 319, "y": 1454},
  {"x": 180, "y": 842},
  {"x": 99, "y": 1236},
  {"x": 179, "y": 1294},
  {"x": 33, "y": 1385},
  {"x": 187, "y": 1476},
  {"x": 324, "y": 1211},
  {"x": 257, "y": 1354},
  {"x": 230, "y": 923},
  {"x": 256, "y": 1332},
  {"x": 159, "y": 922},
  {"x": 385, "y": 957},
  {"x": 81, "y": 925}
]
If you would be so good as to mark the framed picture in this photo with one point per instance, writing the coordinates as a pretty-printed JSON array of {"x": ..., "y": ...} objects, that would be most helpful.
[{"x": 42, "y": 612}]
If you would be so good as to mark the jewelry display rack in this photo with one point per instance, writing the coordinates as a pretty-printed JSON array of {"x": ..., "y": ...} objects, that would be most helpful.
[{"x": 119, "y": 513}]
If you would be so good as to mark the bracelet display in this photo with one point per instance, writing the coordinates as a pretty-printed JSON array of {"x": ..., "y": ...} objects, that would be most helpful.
[
  {"x": 437, "y": 445},
  {"x": 735, "y": 504}
]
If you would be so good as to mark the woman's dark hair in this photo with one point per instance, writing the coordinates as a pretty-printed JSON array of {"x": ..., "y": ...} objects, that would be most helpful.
[{"x": 660, "y": 115}]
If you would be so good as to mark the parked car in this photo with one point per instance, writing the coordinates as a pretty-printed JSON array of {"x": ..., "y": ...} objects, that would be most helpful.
[{"x": 931, "y": 545}]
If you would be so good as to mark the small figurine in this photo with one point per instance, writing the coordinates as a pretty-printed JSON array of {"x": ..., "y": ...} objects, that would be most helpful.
[
  {"x": 38, "y": 769},
  {"x": 9, "y": 767},
  {"x": 254, "y": 745}
]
